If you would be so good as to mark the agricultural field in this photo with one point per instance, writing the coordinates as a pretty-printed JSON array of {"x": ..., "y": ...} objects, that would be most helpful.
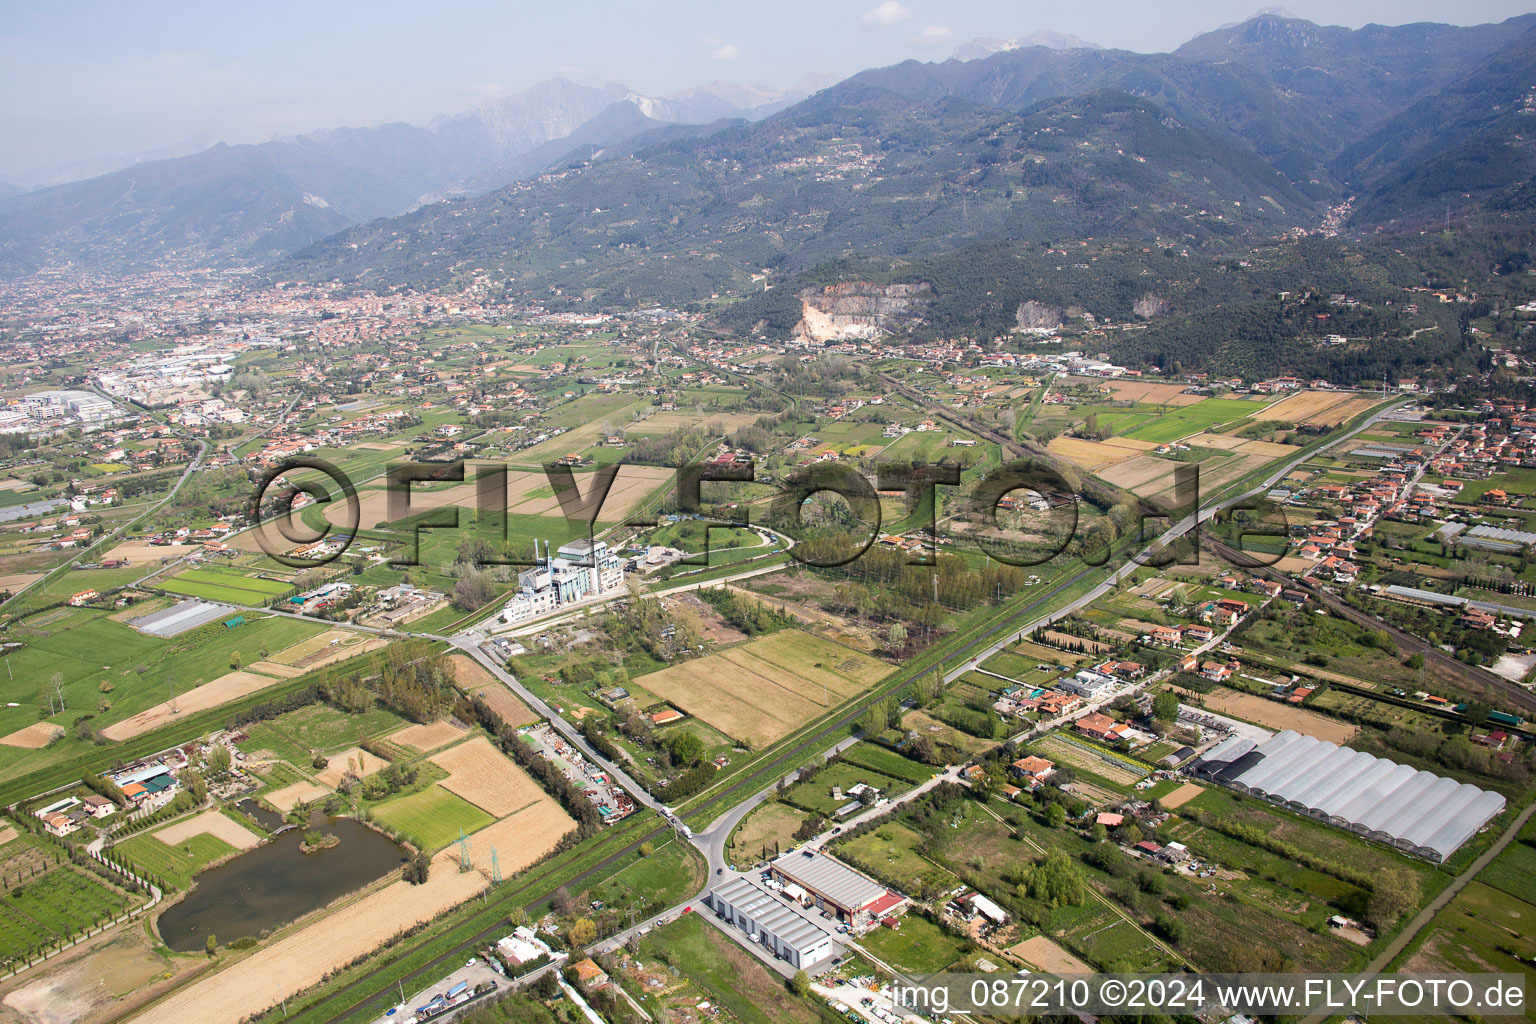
[
  {"x": 1120, "y": 771},
  {"x": 296, "y": 736},
  {"x": 432, "y": 818},
  {"x": 228, "y": 586},
  {"x": 763, "y": 690},
  {"x": 178, "y": 861},
  {"x": 518, "y": 840},
  {"x": 1273, "y": 714},
  {"x": 113, "y": 672},
  {"x": 53, "y": 906},
  {"x": 486, "y": 777},
  {"x": 1192, "y": 419},
  {"x": 767, "y": 830},
  {"x": 422, "y": 738},
  {"x": 1319, "y": 408},
  {"x": 227, "y": 687}
]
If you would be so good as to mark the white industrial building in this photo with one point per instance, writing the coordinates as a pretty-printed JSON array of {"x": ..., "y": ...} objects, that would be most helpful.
[
  {"x": 580, "y": 569},
  {"x": 1416, "y": 811},
  {"x": 784, "y": 928},
  {"x": 1089, "y": 684}
]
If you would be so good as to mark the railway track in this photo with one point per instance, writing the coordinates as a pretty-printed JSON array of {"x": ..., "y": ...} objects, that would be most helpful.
[{"x": 1482, "y": 682}]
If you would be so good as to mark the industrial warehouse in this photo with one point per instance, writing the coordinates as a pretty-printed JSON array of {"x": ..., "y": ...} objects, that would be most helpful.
[
  {"x": 789, "y": 932},
  {"x": 834, "y": 887},
  {"x": 1416, "y": 811}
]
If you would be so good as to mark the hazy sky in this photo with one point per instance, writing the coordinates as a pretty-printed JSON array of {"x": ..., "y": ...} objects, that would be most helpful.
[{"x": 87, "y": 80}]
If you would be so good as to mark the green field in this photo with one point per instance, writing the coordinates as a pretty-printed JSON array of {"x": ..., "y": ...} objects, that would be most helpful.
[
  {"x": 723, "y": 973},
  {"x": 1192, "y": 419},
  {"x": 890, "y": 853},
  {"x": 816, "y": 795},
  {"x": 52, "y": 907},
  {"x": 176, "y": 864},
  {"x": 432, "y": 818},
  {"x": 111, "y": 671},
  {"x": 293, "y": 735},
  {"x": 918, "y": 945},
  {"x": 888, "y": 762},
  {"x": 225, "y": 585}
]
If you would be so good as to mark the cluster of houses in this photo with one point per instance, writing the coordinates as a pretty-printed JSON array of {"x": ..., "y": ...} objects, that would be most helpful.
[{"x": 146, "y": 786}]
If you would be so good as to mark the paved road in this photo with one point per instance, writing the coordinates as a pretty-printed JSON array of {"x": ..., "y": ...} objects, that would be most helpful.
[
  {"x": 527, "y": 696},
  {"x": 1173, "y": 533}
]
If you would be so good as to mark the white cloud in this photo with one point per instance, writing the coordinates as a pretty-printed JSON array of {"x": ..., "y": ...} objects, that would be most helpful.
[
  {"x": 724, "y": 52},
  {"x": 888, "y": 14},
  {"x": 935, "y": 35}
]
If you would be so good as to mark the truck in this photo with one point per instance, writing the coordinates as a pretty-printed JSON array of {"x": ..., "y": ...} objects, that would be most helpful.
[{"x": 453, "y": 992}]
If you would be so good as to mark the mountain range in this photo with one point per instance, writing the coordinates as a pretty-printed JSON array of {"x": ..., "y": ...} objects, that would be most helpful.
[
  {"x": 257, "y": 201},
  {"x": 1252, "y": 132}
]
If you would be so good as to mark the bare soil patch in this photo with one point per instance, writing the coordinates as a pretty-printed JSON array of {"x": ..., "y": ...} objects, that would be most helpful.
[
  {"x": 218, "y": 825},
  {"x": 222, "y": 690},
  {"x": 1181, "y": 796},
  {"x": 426, "y": 737},
  {"x": 1274, "y": 715},
  {"x": 289, "y": 797},
  {"x": 353, "y": 760},
  {"x": 96, "y": 981},
  {"x": 1048, "y": 956},
  {"x": 16, "y": 580},
  {"x": 34, "y": 736},
  {"x": 140, "y": 552},
  {"x": 486, "y": 777},
  {"x": 505, "y": 703}
]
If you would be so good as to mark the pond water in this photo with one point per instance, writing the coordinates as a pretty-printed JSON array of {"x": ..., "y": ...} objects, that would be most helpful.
[{"x": 274, "y": 884}]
